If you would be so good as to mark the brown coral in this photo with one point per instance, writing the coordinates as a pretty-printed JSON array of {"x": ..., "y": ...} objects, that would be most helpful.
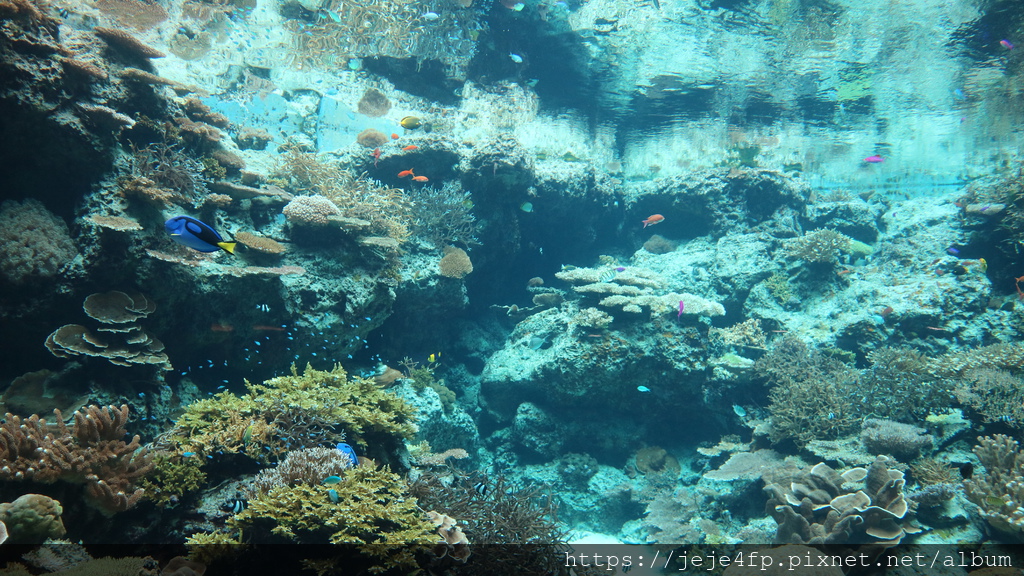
[
  {"x": 92, "y": 452},
  {"x": 374, "y": 103},
  {"x": 260, "y": 243},
  {"x": 372, "y": 138},
  {"x": 135, "y": 13},
  {"x": 126, "y": 43},
  {"x": 455, "y": 263}
]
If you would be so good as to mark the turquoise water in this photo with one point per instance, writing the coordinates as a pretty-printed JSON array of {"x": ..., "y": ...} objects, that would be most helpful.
[{"x": 650, "y": 273}]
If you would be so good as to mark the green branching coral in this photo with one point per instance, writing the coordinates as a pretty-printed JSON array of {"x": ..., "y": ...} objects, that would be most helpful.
[
  {"x": 314, "y": 408},
  {"x": 369, "y": 508},
  {"x": 172, "y": 478}
]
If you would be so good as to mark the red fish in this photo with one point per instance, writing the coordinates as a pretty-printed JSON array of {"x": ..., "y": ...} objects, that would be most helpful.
[
  {"x": 394, "y": 136},
  {"x": 410, "y": 148},
  {"x": 261, "y": 327},
  {"x": 874, "y": 159},
  {"x": 405, "y": 173},
  {"x": 652, "y": 220},
  {"x": 376, "y": 156},
  {"x": 420, "y": 178}
]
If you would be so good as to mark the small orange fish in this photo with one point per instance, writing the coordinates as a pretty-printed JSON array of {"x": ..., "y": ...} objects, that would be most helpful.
[
  {"x": 653, "y": 219},
  {"x": 420, "y": 178},
  {"x": 261, "y": 327},
  {"x": 394, "y": 136},
  {"x": 221, "y": 328},
  {"x": 405, "y": 173},
  {"x": 410, "y": 148}
]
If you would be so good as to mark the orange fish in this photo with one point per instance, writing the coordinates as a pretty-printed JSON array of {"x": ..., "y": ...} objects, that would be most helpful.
[
  {"x": 405, "y": 173},
  {"x": 261, "y": 327},
  {"x": 221, "y": 328},
  {"x": 410, "y": 148},
  {"x": 420, "y": 178},
  {"x": 652, "y": 220},
  {"x": 394, "y": 136}
]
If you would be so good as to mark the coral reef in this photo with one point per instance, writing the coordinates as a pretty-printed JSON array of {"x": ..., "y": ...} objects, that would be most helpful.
[{"x": 902, "y": 441}]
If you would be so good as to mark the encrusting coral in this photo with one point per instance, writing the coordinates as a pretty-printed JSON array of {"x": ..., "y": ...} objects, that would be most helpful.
[
  {"x": 32, "y": 518},
  {"x": 92, "y": 452},
  {"x": 289, "y": 412}
]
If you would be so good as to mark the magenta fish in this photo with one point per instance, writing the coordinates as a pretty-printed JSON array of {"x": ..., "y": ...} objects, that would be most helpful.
[
  {"x": 680, "y": 309},
  {"x": 874, "y": 159}
]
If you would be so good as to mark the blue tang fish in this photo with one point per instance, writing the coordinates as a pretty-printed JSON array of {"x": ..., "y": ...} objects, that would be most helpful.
[
  {"x": 346, "y": 449},
  {"x": 190, "y": 232}
]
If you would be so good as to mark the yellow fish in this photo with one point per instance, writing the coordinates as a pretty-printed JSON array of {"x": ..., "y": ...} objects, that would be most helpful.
[
  {"x": 433, "y": 357},
  {"x": 982, "y": 265},
  {"x": 410, "y": 122}
]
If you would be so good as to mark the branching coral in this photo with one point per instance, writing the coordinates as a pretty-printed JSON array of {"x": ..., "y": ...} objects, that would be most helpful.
[
  {"x": 281, "y": 413},
  {"x": 997, "y": 395},
  {"x": 92, "y": 452},
  {"x": 308, "y": 466},
  {"x": 1000, "y": 490},
  {"x": 444, "y": 215}
]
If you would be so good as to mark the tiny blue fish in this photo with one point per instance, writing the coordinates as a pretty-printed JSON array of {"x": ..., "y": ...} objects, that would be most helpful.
[
  {"x": 190, "y": 232},
  {"x": 952, "y": 251},
  {"x": 346, "y": 449},
  {"x": 332, "y": 480},
  {"x": 643, "y": 388},
  {"x": 188, "y": 454},
  {"x": 333, "y": 495}
]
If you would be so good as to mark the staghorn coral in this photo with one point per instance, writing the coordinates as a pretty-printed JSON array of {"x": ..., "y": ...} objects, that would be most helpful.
[
  {"x": 455, "y": 263},
  {"x": 810, "y": 395},
  {"x": 997, "y": 395},
  {"x": 92, "y": 452},
  {"x": 34, "y": 243},
  {"x": 172, "y": 478},
  {"x": 1000, "y": 490},
  {"x": 821, "y": 506},
  {"x": 272, "y": 415}
]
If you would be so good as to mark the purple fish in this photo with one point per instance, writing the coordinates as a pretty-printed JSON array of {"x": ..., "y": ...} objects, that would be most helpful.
[
  {"x": 952, "y": 251},
  {"x": 620, "y": 269},
  {"x": 680, "y": 309}
]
